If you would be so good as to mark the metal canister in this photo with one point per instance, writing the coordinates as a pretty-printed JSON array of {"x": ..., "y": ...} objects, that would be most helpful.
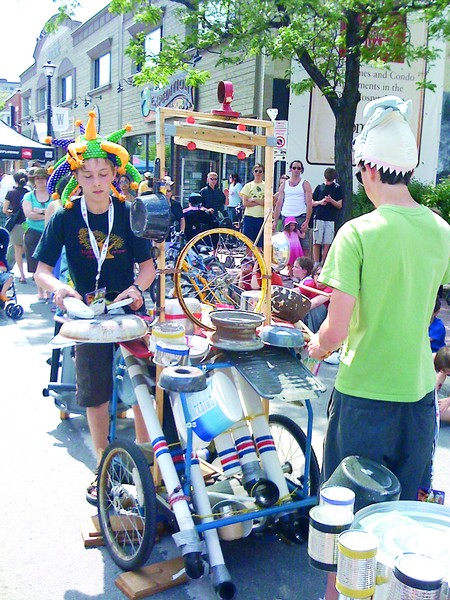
[
  {"x": 338, "y": 495},
  {"x": 356, "y": 563},
  {"x": 416, "y": 576},
  {"x": 326, "y": 523}
]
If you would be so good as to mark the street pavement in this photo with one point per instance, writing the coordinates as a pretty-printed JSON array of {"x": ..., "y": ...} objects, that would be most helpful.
[{"x": 47, "y": 464}]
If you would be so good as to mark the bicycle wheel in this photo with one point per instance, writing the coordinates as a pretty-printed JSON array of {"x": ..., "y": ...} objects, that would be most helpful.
[
  {"x": 126, "y": 504},
  {"x": 290, "y": 442},
  {"x": 215, "y": 282}
]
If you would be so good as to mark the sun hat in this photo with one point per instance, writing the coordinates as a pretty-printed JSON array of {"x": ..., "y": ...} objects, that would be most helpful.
[
  {"x": 147, "y": 175},
  {"x": 386, "y": 141},
  {"x": 167, "y": 180},
  {"x": 40, "y": 172},
  {"x": 89, "y": 144},
  {"x": 289, "y": 220}
]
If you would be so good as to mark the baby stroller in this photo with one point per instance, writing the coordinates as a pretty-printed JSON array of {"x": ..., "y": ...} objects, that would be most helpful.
[{"x": 11, "y": 306}]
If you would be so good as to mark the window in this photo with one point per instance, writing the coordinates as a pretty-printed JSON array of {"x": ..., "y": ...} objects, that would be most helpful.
[
  {"x": 41, "y": 99},
  {"x": 66, "y": 88},
  {"x": 152, "y": 44},
  {"x": 26, "y": 106},
  {"x": 102, "y": 70}
]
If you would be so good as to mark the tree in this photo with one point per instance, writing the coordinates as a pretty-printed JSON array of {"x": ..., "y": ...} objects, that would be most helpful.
[{"x": 330, "y": 39}]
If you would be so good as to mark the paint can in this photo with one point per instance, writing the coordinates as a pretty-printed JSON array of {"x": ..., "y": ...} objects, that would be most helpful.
[
  {"x": 356, "y": 564},
  {"x": 337, "y": 495},
  {"x": 326, "y": 523},
  {"x": 416, "y": 576}
]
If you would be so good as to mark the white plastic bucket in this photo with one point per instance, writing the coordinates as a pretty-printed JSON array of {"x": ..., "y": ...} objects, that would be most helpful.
[
  {"x": 175, "y": 314},
  {"x": 212, "y": 411}
]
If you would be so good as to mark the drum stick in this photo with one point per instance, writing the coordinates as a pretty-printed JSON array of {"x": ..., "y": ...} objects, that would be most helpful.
[
  {"x": 305, "y": 328},
  {"x": 314, "y": 290}
]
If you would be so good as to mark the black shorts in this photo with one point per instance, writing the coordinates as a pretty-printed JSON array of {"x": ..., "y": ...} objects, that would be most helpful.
[
  {"x": 94, "y": 367},
  {"x": 398, "y": 435}
]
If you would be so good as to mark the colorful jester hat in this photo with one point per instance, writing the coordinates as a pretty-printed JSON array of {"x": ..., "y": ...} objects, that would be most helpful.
[{"x": 87, "y": 145}]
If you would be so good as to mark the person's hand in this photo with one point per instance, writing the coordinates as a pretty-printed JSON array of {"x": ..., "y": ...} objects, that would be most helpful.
[
  {"x": 63, "y": 292},
  {"x": 314, "y": 349},
  {"x": 444, "y": 404},
  {"x": 135, "y": 294},
  {"x": 304, "y": 226}
]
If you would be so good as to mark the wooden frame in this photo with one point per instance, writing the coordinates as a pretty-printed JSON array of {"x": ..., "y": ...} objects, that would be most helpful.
[{"x": 226, "y": 137}]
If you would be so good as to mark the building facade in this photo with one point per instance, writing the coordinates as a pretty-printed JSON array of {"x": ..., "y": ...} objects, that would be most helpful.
[{"x": 93, "y": 72}]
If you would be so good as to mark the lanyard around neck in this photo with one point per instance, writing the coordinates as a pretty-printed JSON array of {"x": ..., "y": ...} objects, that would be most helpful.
[{"x": 100, "y": 256}]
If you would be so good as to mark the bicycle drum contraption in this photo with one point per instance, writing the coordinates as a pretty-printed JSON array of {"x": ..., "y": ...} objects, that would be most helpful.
[{"x": 150, "y": 217}]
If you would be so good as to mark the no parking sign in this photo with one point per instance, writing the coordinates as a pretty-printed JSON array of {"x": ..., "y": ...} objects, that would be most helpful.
[{"x": 281, "y": 129}]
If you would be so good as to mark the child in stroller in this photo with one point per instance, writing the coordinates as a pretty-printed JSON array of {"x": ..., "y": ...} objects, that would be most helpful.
[{"x": 13, "y": 310}]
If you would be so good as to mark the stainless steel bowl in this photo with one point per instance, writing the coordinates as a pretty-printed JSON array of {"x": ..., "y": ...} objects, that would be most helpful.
[{"x": 280, "y": 251}]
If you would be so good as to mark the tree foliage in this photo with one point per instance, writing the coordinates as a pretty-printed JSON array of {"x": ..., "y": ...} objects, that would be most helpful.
[{"x": 329, "y": 39}]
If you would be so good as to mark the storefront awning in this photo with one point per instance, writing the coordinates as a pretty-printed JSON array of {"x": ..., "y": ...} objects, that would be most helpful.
[{"x": 14, "y": 146}]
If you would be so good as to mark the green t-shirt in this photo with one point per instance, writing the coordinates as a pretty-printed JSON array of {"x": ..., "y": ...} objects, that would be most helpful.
[
  {"x": 254, "y": 190},
  {"x": 392, "y": 261}
]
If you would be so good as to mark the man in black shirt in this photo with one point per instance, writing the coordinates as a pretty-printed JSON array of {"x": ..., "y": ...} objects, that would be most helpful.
[
  {"x": 212, "y": 198},
  {"x": 326, "y": 201}
]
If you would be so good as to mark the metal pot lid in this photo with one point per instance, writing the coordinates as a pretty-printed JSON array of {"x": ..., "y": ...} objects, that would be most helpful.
[{"x": 282, "y": 336}]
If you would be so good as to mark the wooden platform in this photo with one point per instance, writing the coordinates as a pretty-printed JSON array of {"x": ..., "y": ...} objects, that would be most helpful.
[{"x": 152, "y": 579}]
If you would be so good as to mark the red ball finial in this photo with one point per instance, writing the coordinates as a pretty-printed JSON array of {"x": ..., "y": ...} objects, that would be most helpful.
[
  {"x": 241, "y": 155},
  {"x": 190, "y": 120},
  {"x": 241, "y": 127},
  {"x": 191, "y": 146}
]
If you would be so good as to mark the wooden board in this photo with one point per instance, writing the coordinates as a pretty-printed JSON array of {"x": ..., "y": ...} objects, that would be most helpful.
[
  {"x": 150, "y": 580},
  {"x": 92, "y": 535}
]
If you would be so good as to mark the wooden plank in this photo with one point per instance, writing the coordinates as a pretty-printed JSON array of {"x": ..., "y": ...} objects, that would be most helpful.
[
  {"x": 220, "y": 135},
  {"x": 224, "y": 148},
  {"x": 152, "y": 579},
  {"x": 170, "y": 113}
]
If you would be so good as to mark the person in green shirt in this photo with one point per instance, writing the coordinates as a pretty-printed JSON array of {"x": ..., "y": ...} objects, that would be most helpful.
[
  {"x": 384, "y": 291},
  {"x": 385, "y": 269}
]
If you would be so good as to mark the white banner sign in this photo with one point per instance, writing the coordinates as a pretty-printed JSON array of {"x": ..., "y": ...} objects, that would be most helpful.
[{"x": 60, "y": 118}]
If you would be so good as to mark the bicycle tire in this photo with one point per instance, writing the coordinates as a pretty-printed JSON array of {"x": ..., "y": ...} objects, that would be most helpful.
[
  {"x": 290, "y": 442},
  {"x": 226, "y": 279},
  {"x": 126, "y": 504}
]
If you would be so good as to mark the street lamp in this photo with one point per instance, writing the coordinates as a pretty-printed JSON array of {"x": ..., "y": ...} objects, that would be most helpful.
[{"x": 49, "y": 70}]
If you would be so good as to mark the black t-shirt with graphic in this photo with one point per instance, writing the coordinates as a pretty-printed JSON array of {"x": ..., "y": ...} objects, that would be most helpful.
[
  {"x": 327, "y": 212},
  {"x": 67, "y": 228}
]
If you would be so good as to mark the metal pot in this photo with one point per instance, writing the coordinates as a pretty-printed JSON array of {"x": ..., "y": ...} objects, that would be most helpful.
[
  {"x": 150, "y": 217},
  {"x": 236, "y": 329}
]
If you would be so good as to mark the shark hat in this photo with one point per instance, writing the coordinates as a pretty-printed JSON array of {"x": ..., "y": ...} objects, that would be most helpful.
[{"x": 387, "y": 141}]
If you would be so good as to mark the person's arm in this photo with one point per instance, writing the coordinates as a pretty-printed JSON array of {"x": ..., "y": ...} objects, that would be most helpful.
[
  {"x": 5, "y": 209},
  {"x": 308, "y": 200},
  {"x": 334, "y": 330},
  {"x": 444, "y": 404},
  {"x": 182, "y": 224},
  {"x": 279, "y": 204},
  {"x": 34, "y": 214},
  {"x": 50, "y": 210},
  {"x": 335, "y": 203}
]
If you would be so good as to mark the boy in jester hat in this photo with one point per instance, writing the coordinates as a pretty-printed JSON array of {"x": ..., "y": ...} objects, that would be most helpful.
[{"x": 101, "y": 252}]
